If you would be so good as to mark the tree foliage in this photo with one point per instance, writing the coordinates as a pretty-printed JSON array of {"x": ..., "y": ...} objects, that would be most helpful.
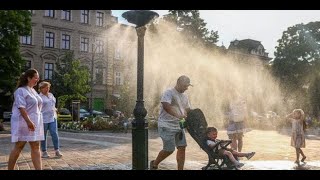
[
  {"x": 127, "y": 100},
  {"x": 13, "y": 24},
  {"x": 297, "y": 59},
  {"x": 71, "y": 80},
  {"x": 192, "y": 26}
]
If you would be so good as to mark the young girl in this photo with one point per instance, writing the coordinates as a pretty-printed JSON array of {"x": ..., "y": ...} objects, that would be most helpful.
[
  {"x": 212, "y": 140},
  {"x": 297, "y": 134}
]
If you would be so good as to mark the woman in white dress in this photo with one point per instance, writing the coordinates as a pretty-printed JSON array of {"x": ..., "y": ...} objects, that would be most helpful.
[{"x": 26, "y": 119}]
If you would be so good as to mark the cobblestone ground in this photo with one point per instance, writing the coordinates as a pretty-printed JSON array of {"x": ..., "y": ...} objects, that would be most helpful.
[{"x": 113, "y": 151}]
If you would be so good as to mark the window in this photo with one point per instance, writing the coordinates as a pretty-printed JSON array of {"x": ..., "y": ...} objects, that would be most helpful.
[
  {"x": 48, "y": 71},
  {"x": 49, "y": 13},
  {"x": 118, "y": 78},
  {"x": 99, "y": 46},
  {"x": 84, "y": 46},
  {"x": 27, "y": 65},
  {"x": 99, "y": 20},
  {"x": 26, "y": 40},
  {"x": 117, "y": 53},
  {"x": 65, "y": 41},
  {"x": 85, "y": 16},
  {"x": 99, "y": 75},
  {"x": 66, "y": 15},
  {"x": 49, "y": 41}
]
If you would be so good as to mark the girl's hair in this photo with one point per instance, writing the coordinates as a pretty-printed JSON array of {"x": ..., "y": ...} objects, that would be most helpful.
[
  {"x": 302, "y": 118},
  {"x": 23, "y": 81},
  {"x": 211, "y": 129},
  {"x": 300, "y": 111}
]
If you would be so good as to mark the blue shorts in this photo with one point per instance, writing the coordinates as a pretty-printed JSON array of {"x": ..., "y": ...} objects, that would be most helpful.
[{"x": 172, "y": 138}]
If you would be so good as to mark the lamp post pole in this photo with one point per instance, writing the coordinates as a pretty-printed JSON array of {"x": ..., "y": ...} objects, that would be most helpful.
[{"x": 140, "y": 124}]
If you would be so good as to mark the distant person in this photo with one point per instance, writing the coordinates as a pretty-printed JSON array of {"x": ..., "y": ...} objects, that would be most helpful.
[
  {"x": 236, "y": 116},
  {"x": 49, "y": 114},
  {"x": 308, "y": 120},
  {"x": 174, "y": 106},
  {"x": 26, "y": 121},
  {"x": 212, "y": 134},
  {"x": 124, "y": 121},
  {"x": 297, "y": 134}
]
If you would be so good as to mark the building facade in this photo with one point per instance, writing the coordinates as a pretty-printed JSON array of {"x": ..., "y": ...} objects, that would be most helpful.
[
  {"x": 248, "y": 51},
  {"x": 86, "y": 33}
]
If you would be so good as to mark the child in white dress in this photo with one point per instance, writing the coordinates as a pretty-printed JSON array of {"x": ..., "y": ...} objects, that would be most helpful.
[{"x": 297, "y": 134}]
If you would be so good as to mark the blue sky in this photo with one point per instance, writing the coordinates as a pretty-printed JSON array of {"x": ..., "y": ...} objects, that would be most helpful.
[{"x": 266, "y": 26}]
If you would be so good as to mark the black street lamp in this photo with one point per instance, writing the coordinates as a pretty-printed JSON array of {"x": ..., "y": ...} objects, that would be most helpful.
[{"x": 139, "y": 124}]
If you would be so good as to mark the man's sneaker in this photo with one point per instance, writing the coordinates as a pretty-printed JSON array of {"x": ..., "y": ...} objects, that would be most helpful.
[
  {"x": 250, "y": 155},
  {"x": 152, "y": 166},
  {"x": 45, "y": 154},
  {"x": 58, "y": 154},
  {"x": 239, "y": 165}
]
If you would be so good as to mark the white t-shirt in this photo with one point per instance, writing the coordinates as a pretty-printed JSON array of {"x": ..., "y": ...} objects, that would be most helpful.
[
  {"x": 213, "y": 143},
  {"x": 180, "y": 103},
  {"x": 238, "y": 110},
  {"x": 48, "y": 108}
]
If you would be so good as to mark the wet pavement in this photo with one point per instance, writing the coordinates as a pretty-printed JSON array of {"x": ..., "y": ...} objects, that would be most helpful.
[{"x": 113, "y": 151}]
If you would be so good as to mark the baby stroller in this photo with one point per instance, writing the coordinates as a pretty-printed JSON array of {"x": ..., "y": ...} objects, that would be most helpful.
[{"x": 196, "y": 125}]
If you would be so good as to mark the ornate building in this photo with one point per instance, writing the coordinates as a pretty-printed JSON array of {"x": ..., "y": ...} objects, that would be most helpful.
[{"x": 87, "y": 34}]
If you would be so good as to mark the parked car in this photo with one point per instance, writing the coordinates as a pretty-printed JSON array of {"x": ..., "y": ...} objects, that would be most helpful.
[
  {"x": 99, "y": 114},
  {"x": 7, "y": 116},
  {"x": 84, "y": 113},
  {"x": 64, "y": 115},
  {"x": 5, "y": 113}
]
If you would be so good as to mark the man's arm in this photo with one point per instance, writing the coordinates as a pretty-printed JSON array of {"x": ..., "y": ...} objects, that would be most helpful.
[{"x": 168, "y": 108}]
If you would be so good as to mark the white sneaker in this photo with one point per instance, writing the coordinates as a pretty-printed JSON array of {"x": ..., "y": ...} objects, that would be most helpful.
[
  {"x": 45, "y": 154},
  {"x": 58, "y": 154},
  {"x": 239, "y": 165}
]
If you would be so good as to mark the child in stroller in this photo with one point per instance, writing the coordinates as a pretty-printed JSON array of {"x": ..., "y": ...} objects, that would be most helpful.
[
  {"x": 196, "y": 125},
  {"x": 220, "y": 147}
]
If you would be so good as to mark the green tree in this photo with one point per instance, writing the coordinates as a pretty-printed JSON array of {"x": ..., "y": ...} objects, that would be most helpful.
[
  {"x": 189, "y": 23},
  {"x": 70, "y": 81},
  {"x": 128, "y": 97},
  {"x": 13, "y": 24},
  {"x": 314, "y": 96},
  {"x": 297, "y": 59},
  {"x": 194, "y": 27}
]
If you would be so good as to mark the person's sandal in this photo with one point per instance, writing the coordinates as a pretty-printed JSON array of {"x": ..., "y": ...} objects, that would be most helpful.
[
  {"x": 304, "y": 158},
  {"x": 152, "y": 166}
]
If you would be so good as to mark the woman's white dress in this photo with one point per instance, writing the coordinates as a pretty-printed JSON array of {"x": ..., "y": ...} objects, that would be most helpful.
[{"x": 29, "y": 99}]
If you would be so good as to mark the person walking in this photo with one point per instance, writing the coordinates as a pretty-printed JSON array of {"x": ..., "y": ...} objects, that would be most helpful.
[{"x": 49, "y": 114}]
